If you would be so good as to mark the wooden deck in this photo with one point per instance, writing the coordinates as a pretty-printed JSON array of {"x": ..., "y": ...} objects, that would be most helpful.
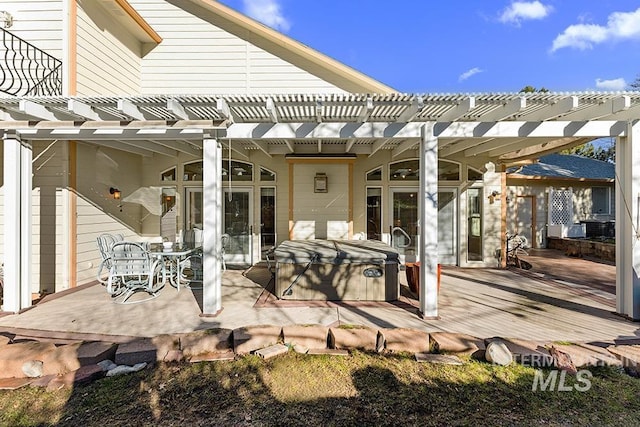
[{"x": 479, "y": 302}]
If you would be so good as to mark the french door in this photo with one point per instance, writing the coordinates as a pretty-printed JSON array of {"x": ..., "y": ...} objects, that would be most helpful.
[{"x": 237, "y": 222}]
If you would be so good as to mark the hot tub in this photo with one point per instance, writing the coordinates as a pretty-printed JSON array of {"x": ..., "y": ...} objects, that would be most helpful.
[{"x": 330, "y": 270}]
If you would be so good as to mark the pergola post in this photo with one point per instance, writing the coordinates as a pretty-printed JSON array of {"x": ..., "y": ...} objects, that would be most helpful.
[
  {"x": 628, "y": 222},
  {"x": 212, "y": 214},
  {"x": 17, "y": 224},
  {"x": 428, "y": 205}
]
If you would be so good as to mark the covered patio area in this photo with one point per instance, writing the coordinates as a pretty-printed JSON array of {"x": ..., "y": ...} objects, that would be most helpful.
[
  {"x": 482, "y": 303},
  {"x": 356, "y": 138}
]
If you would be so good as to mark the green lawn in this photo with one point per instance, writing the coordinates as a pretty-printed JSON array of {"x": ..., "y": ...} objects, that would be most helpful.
[{"x": 361, "y": 389}]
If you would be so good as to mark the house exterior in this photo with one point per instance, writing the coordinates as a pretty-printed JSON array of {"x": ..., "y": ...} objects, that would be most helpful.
[
  {"x": 581, "y": 189},
  {"x": 202, "y": 117}
]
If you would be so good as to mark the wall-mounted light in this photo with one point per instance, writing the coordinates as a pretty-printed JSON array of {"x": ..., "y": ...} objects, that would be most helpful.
[
  {"x": 493, "y": 196},
  {"x": 115, "y": 193},
  {"x": 6, "y": 19},
  {"x": 320, "y": 183}
]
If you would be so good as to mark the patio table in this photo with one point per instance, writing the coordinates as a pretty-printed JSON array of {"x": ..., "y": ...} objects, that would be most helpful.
[{"x": 172, "y": 260}]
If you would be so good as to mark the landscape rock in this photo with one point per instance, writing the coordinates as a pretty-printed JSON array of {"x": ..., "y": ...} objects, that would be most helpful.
[
  {"x": 303, "y": 338},
  {"x": 107, "y": 365},
  {"x": 32, "y": 368},
  {"x": 404, "y": 340},
  {"x": 563, "y": 359},
  {"x": 61, "y": 360},
  {"x": 13, "y": 356},
  {"x": 448, "y": 342},
  {"x": 272, "y": 351},
  {"x": 357, "y": 337},
  {"x": 498, "y": 353},
  {"x": 136, "y": 351},
  {"x": 251, "y": 338},
  {"x": 90, "y": 353},
  {"x": 165, "y": 344},
  {"x": 207, "y": 341},
  {"x": 14, "y": 383},
  {"x": 124, "y": 369},
  {"x": 4, "y": 340},
  {"x": 527, "y": 353}
]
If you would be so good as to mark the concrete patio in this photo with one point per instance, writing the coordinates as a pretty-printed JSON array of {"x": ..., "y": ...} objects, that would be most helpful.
[{"x": 479, "y": 302}]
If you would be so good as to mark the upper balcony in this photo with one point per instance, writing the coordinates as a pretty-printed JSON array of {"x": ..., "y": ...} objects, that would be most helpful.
[{"x": 26, "y": 70}]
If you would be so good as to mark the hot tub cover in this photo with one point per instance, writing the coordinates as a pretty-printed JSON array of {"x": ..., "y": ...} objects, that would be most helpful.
[{"x": 335, "y": 252}]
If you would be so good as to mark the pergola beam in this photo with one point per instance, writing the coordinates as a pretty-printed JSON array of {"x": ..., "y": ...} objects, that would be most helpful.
[
  {"x": 509, "y": 109},
  {"x": 366, "y": 110},
  {"x": 272, "y": 110},
  {"x": 404, "y": 146},
  {"x": 459, "y": 111},
  {"x": 608, "y": 108},
  {"x": 417, "y": 104},
  {"x": 492, "y": 145},
  {"x": 520, "y": 129},
  {"x": 562, "y": 106},
  {"x": 378, "y": 145},
  {"x": 177, "y": 109},
  {"x": 324, "y": 130},
  {"x": 40, "y": 112}
]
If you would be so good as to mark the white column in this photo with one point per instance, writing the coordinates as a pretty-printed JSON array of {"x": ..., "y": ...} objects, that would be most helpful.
[
  {"x": 17, "y": 224},
  {"x": 628, "y": 223},
  {"x": 211, "y": 245},
  {"x": 429, "y": 223}
]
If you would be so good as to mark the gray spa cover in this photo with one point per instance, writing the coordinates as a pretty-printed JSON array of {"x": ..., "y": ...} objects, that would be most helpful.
[{"x": 335, "y": 252}]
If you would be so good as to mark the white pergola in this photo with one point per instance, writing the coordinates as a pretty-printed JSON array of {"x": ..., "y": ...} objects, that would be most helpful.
[{"x": 501, "y": 128}]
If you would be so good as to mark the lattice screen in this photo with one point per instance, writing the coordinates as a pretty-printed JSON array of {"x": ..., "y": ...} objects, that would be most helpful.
[{"x": 560, "y": 207}]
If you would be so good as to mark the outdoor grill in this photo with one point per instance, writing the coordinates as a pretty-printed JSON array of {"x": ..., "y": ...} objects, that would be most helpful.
[{"x": 329, "y": 270}]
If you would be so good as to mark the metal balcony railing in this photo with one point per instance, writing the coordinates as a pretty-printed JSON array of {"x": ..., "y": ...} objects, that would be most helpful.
[{"x": 26, "y": 70}]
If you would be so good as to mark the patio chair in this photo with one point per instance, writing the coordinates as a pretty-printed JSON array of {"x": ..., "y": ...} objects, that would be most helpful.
[
  {"x": 105, "y": 242},
  {"x": 133, "y": 270}
]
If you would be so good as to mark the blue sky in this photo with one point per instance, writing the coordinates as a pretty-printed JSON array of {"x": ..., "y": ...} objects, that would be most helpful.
[{"x": 456, "y": 46}]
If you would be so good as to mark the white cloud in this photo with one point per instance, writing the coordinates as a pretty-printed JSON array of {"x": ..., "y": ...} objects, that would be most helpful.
[
  {"x": 269, "y": 12},
  {"x": 620, "y": 26},
  {"x": 613, "y": 84},
  {"x": 464, "y": 76},
  {"x": 524, "y": 10}
]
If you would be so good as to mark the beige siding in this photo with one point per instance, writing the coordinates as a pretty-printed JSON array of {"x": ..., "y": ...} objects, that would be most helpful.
[
  {"x": 320, "y": 215},
  {"x": 108, "y": 56},
  {"x": 197, "y": 57},
  {"x": 47, "y": 238},
  {"x": 97, "y": 212},
  {"x": 47, "y": 228},
  {"x": 38, "y": 22}
]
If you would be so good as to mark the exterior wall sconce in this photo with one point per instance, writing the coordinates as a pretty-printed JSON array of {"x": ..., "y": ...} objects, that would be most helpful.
[
  {"x": 320, "y": 183},
  {"x": 6, "y": 19},
  {"x": 115, "y": 193}
]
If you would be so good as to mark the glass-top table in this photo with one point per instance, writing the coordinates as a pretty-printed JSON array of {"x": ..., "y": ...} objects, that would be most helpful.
[{"x": 174, "y": 259}]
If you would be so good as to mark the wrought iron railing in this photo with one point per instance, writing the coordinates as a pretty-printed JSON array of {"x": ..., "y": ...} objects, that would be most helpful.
[{"x": 27, "y": 70}]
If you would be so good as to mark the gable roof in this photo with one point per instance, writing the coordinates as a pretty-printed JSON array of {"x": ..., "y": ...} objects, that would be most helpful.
[
  {"x": 276, "y": 43},
  {"x": 566, "y": 166}
]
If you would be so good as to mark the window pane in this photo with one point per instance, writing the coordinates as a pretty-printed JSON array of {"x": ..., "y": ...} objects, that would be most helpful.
[
  {"x": 267, "y": 175},
  {"x": 408, "y": 170},
  {"x": 193, "y": 171},
  {"x": 239, "y": 171},
  {"x": 375, "y": 175},
  {"x": 169, "y": 175},
  {"x": 374, "y": 213},
  {"x": 448, "y": 171},
  {"x": 475, "y": 224},
  {"x": 600, "y": 200},
  {"x": 474, "y": 175}
]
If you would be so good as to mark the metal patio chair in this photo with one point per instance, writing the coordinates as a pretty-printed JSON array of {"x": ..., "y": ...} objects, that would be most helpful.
[
  {"x": 133, "y": 270},
  {"x": 105, "y": 242}
]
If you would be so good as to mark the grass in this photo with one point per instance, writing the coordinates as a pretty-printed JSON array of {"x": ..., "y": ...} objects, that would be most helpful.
[{"x": 362, "y": 389}]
